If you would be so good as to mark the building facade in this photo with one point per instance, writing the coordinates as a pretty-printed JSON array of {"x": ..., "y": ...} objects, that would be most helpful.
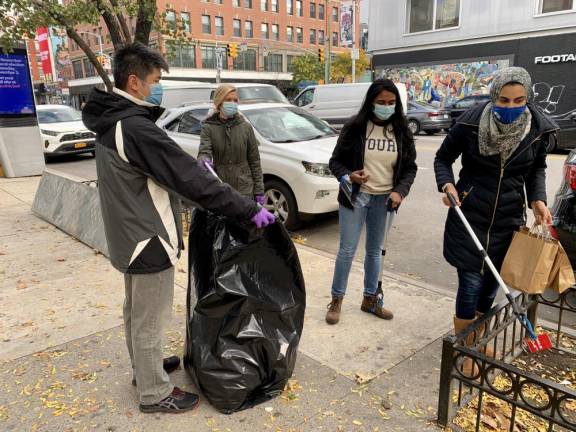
[
  {"x": 453, "y": 47},
  {"x": 269, "y": 34}
]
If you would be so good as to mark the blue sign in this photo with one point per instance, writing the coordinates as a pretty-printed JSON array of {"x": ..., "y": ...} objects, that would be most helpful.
[{"x": 16, "y": 92}]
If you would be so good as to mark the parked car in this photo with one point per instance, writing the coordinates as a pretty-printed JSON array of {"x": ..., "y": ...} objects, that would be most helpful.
[
  {"x": 567, "y": 132},
  {"x": 337, "y": 103},
  {"x": 295, "y": 147},
  {"x": 181, "y": 93},
  {"x": 425, "y": 117},
  {"x": 63, "y": 131},
  {"x": 564, "y": 209},
  {"x": 457, "y": 108}
]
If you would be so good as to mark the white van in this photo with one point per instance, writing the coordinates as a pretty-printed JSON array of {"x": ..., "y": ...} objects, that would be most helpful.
[
  {"x": 181, "y": 93},
  {"x": 336, "y": 103}
]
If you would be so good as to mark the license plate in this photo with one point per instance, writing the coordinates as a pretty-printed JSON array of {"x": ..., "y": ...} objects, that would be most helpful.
[{"x": 80, "y": 145}]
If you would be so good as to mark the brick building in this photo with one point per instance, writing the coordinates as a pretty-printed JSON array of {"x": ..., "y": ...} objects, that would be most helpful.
[{"x": 269, "y": 34}]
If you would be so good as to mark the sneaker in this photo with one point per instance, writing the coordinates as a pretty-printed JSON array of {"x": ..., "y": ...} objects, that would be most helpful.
[
  {"x": 177, "y": 402},
  {"x": 334, "y": 308},
  {"x": 372, "y": 304},
  {"x": 170, "y": 364}
]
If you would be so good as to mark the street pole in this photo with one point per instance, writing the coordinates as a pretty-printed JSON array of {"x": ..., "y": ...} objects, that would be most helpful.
[
  {"x": 353, "y": 40},
  {"x": 218, "y": 63},
  {"x": 328, "y": 41}
]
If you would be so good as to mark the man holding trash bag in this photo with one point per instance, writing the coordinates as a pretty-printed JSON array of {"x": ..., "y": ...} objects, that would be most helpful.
[{"x": 142, "y": 175}]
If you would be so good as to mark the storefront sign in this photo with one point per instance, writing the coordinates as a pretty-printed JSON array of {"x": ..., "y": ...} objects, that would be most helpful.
[{"x": 558, "y": 58}]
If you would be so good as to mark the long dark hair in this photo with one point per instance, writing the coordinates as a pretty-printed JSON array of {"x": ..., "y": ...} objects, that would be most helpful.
[{"x": 366, "y": 113}]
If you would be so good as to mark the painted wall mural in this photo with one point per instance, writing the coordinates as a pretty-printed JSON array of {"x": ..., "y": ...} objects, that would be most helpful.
[{"x": 446, "y": 83}]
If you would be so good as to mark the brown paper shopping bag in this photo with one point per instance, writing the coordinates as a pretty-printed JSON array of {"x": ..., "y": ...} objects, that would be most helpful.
[
  {"x": 562, "y": 275},
  {"x": 529, "y": 261}
]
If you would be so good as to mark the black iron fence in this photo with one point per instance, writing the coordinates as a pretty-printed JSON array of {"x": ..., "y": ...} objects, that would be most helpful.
[{"x": 468, "y": 374}]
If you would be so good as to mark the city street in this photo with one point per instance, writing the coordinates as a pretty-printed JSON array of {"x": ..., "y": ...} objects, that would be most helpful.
[{"x": 415, "y": 242}]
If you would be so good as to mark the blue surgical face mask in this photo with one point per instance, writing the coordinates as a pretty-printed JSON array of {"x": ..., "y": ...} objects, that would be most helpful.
[
  {"x": 384, "y": 112},
  {"x": 229, "y": 109},
  {"x": 156, "y": 93},
  {"x": 507, "y": 115}
]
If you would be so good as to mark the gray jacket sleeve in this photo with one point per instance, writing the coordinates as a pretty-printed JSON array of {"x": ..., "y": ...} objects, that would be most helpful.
[
  {"x": 205, "y": 151},
  {"x": 254, "y": 162}
]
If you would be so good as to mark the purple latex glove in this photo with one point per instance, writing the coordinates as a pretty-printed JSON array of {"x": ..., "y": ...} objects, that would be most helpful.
[
  {"x": 260, "y": 199},
  {"x": 263, "y": 218},
  {"x": 208, "y": 163}
]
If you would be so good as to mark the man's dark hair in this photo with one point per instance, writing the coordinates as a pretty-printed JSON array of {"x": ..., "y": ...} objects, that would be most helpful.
[{"x": 136, "y": 59}]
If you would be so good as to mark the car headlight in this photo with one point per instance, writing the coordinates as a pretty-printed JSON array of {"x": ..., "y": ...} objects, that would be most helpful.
[
  {"x": 319, "y": 169},
  {"x": 49, "y": 133}
]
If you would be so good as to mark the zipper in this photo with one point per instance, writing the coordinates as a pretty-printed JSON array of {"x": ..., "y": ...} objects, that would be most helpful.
[
  {"x": 495, "y": 208},
  {"x": 502, "y": 167}
]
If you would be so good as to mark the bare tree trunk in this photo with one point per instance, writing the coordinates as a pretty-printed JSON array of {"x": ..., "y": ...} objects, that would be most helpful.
[
  {"x": 112, "y": 23},
  {"x": 91, "y": 56},
  {"x": 146, "y": 13},
  {"x": 122, "y": 20}
]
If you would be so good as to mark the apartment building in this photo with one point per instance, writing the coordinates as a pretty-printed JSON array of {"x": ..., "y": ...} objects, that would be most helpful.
[{"x": 270, "y": 34}]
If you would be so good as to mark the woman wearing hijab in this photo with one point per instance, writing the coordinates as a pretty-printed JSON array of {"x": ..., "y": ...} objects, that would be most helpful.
[
  {"x": 502, "y": 145},
  {"x": 375, "y": 158},
  {"x": 228, "y": 144}
]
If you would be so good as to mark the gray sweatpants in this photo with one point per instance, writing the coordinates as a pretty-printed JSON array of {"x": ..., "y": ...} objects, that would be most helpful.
[{"x": 147, "y": 309}]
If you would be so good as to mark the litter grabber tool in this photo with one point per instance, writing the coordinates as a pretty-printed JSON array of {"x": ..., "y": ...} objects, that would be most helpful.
[
  {"x": 533, "y": 343},
  {"x": 390, "y": 214}
]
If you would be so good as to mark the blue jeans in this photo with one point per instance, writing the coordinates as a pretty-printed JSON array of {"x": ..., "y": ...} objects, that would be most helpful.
[
  {"x": 351, "y": 223},
  {"x": 476, "y": 293}
]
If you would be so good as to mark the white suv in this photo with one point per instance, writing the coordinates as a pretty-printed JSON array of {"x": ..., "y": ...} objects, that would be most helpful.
[
  {"x": 63, "y": 131},
  {"x": 295, "y": 148}
]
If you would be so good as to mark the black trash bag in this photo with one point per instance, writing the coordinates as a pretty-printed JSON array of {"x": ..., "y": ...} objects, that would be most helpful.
[{"x": 242, "y": 338}]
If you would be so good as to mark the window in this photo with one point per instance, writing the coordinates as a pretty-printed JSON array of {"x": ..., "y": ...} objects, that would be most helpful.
[
  {"x": 464, "y": 103},
  {"x": 305, "y": 98},
  {"x": 191, "y": 122},
  {"x": 290, "y": 7},
  {"x": 290, "y": 62},
  {"x": 321, "y": 11},
  {"x": 219, "y": 26},
  {"x": 273, "y": 63},
  {"x": 425, "y": 15},
  {"x": 248, "y": 29},
  {"x": 548, "y": 6},
  {"x": 312, "y": 10},
  {"x": 185, "y": 17},
  {"x": 206, "y": 26},
  {"x": 299, "y": 8},
  {"x": 236, "y": 3},
  {"x": 248, "y": 4},
  {"x": 335, "y": 39},
  {"x": 299, "y": 35},
  {"x": 182, "y": 56},
  {"x": 78, "y": 72},
  {"x": 246, "y": 60},
  {"x": 312, "y": 37},
  {"x": 219, "y": 1},
  {"x": 335, "y": 16},
  {"x": 274, "y": 5},
  {"x": 321, "y": 37},
  {"x": 237, "y": 25},
  {"x": 171, "y": 20},
  {"x": 89, "y": 68},
  {"x": 264, "y": 31},
  {"x": 264, "y": 5},
  {"x": 275, "y": 32},
  {"x": 209, "y": 58},
  {"x": 289, "y": 34}
]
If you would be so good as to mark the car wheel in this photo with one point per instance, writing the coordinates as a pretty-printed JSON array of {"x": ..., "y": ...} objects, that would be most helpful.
[
  {"x": 279, "y": 200},
  {"x": 431, "y": 132},
  {"x": 414, "y": 126}
]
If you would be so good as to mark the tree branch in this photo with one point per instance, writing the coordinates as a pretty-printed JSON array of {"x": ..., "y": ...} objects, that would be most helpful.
[
  {"x": 122, "y": 20},
  {"x": 72, "y": 34},
  {"x": 116, "y": 34},
  {"x": 146, "y": 13}
]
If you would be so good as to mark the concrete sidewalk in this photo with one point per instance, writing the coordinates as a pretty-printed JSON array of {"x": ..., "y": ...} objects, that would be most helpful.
[{"x": 64, "y": 364}]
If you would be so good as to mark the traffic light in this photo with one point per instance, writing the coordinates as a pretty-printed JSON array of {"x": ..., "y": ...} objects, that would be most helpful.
[
  {"x": 321, "y": 55},
  {"x": 102, "y": 60},
  {"x": 232, "y": 50}
]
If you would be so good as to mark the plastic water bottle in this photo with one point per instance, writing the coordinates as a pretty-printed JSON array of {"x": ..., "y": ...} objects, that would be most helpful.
[{"x": 357, "y": 199}]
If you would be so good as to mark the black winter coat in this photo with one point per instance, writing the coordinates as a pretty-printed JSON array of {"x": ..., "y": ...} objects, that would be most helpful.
[
  {"x": 496, "y": 192},
  {"x": 348, "y": 156}
]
